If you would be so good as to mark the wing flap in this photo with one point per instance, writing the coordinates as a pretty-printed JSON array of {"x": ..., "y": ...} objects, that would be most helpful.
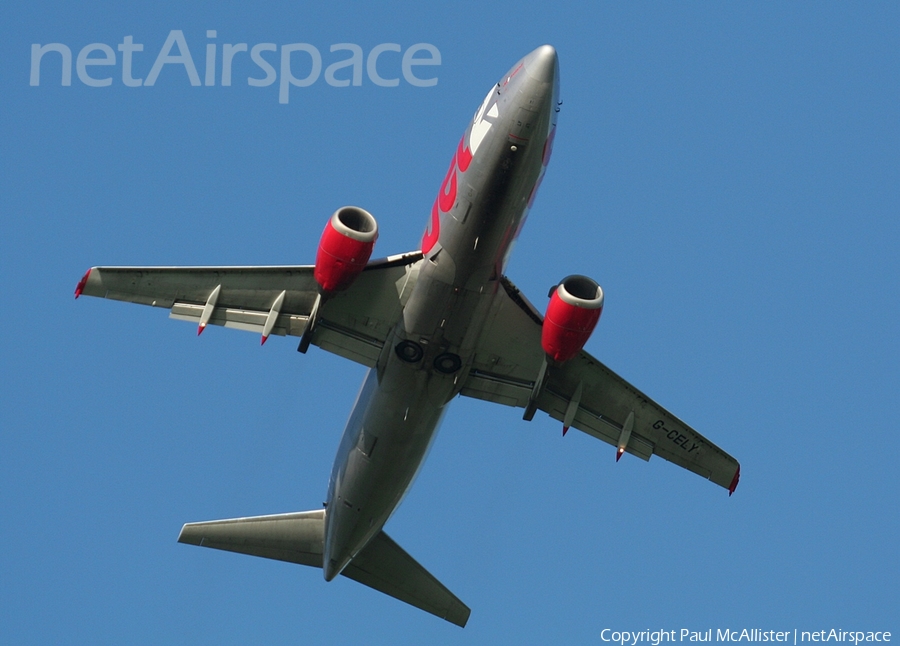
[
  {"x": 594, "y": 424},
  {"x": 349, "y": 343},
  {"x": 500, "y": 389},
  {"x": 247, "y": 320}
]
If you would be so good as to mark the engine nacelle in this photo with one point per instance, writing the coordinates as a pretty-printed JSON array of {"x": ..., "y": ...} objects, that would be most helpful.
[
  {"x": 345, "y": 248},
  {"x": 572, "y": 314}
]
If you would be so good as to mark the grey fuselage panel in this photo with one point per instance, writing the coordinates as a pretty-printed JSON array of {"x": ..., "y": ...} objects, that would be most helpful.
[{"x": 479, "y": 211}]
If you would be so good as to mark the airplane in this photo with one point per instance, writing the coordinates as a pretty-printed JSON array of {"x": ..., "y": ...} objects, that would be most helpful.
[{"x": 430, "y": 325}]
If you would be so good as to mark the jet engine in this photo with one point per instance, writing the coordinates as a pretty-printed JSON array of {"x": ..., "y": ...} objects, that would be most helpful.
[
  {"x": 572, "y": 314},
  {"x": 345, "y": 248}
]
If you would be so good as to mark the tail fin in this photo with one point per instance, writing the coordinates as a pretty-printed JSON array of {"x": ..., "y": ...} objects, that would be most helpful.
[{"x": 299, "y": 538}]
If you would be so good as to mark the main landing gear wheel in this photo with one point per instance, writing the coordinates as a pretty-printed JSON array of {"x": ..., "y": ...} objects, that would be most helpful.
[
  {"x": 409, "y": 351},
  {"x": 448, "y": 363}
]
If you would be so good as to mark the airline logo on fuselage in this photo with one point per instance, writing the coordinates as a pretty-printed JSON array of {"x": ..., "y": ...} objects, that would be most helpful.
[{"x": 446, "y": 197}]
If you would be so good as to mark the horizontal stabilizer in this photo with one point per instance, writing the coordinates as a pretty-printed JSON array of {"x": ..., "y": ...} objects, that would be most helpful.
[
  {"x": 299, "y": 538},
  {"x": 386, "y": 566},
  {"x": 295, "y": 538}
]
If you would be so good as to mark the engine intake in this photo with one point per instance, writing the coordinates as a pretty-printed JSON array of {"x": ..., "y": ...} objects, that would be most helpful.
[
  {"x": 345, "y": 248},
  {"x": 572, "y": 314}
]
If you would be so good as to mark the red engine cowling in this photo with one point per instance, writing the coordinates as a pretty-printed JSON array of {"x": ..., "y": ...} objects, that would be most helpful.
[
  {"x": 572, "y": 314},
  {"x": 345, "y": 248}
]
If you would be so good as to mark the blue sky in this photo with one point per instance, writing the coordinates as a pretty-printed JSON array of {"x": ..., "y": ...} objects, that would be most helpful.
[{"x": 728, "y": 172}]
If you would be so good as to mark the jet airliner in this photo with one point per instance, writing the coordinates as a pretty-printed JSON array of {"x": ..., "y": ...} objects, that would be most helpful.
[{"x": 430, "y": 325}]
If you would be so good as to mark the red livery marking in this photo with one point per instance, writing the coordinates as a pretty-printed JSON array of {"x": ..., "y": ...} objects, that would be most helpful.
[
  {"x": 340, "y": 258},
  {"x": 566, "y": 328},
  {"x": 545, "y": 159},
  {"x": 463, "y": 155},
  {"x": 548, "y": 147},
  {"x": 572, "y": 315},
  {"x": 512, "y": 74},
  {"x": 433, "y": 232},
  {"x": 534, "y": 189},
  {"x": 447, "y": 195},
  {"x": 81, "y": 283},
  {"x": 734, "y": 481}
]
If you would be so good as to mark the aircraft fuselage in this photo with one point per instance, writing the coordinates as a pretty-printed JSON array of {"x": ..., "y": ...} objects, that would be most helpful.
[
  {"x": 476, "y": 217},
  {"x": 429, "y": 324}
]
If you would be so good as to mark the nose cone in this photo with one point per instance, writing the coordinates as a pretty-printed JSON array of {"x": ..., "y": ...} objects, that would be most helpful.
[{"x": 542, "y": 64}]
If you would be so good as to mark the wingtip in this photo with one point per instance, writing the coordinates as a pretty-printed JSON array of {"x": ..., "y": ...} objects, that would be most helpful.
[
  {"x": 263, "y": 340},
  {"x": 460, "y": 617},
  {"x": 200, "y": 328},
  {"x": 734, "y": 481},
  {"x": 191, "y": 534},
  {"x": 79, "y": 288},
  {"x": 565, "y": 430},
  {"x": 619, "y": 454}
]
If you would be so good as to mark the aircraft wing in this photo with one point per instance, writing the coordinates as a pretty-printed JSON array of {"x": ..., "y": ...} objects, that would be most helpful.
[
  {"x": 271, "y": 300},
  {"x": 583, "y": 393}
]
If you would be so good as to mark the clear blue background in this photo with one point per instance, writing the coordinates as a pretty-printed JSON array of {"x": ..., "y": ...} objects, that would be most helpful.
[{"x": 728, "y": 172}]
